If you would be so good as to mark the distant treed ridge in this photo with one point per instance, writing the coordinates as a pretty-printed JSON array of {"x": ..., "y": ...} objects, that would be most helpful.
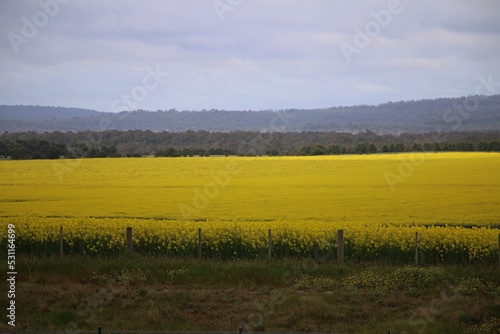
[{"x": 472, "y": 113}]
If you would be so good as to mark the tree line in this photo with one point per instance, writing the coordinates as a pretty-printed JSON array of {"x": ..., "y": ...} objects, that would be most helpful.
[
  {"x": 136, "y": 143},
  {"x": 41, "y": 149},
  {"x": 368, "y": 148},
  {"x": 31, "y": 149}
]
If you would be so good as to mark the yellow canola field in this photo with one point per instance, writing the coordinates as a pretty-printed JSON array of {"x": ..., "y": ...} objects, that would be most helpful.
[
  {"x": 423, "y": 188},
  {"x": 379, "y": 200},
  {"x": 223, "y": 239}
]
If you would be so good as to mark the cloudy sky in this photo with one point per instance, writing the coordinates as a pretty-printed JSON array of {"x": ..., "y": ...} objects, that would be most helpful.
[{"x": 243, "y": 54}]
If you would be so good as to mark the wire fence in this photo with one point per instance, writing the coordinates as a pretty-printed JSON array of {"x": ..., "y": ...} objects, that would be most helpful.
[{"x": 425, "y": 247}]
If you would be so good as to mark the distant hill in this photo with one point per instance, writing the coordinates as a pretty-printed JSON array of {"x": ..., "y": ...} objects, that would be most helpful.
[
  {"x": 41, "y": 113},
  {"x": 476, "y": 113}
]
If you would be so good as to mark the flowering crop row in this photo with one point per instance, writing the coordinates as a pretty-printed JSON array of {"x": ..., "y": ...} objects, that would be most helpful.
[{"x": 235, "y": 239}]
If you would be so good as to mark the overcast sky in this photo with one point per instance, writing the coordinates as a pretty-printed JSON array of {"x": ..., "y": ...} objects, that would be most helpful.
[{"x": 243, "y": 54}]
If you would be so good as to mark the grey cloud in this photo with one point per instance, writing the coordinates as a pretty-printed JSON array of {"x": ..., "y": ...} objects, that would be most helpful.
[{"x": 264, "y": 54}]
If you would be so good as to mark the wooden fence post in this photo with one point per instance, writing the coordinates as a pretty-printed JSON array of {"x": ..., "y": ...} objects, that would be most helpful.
[
  {"x": 270, "y": 243},
  {"x": 129, "y": 239},
  {"x": 199, "y": 244},
  {"x": 340, "y": 246},
  {"x": 499, "y": 249},
  {"x": 61, "y": 242},
  {"x": 416, "y": 247}
]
